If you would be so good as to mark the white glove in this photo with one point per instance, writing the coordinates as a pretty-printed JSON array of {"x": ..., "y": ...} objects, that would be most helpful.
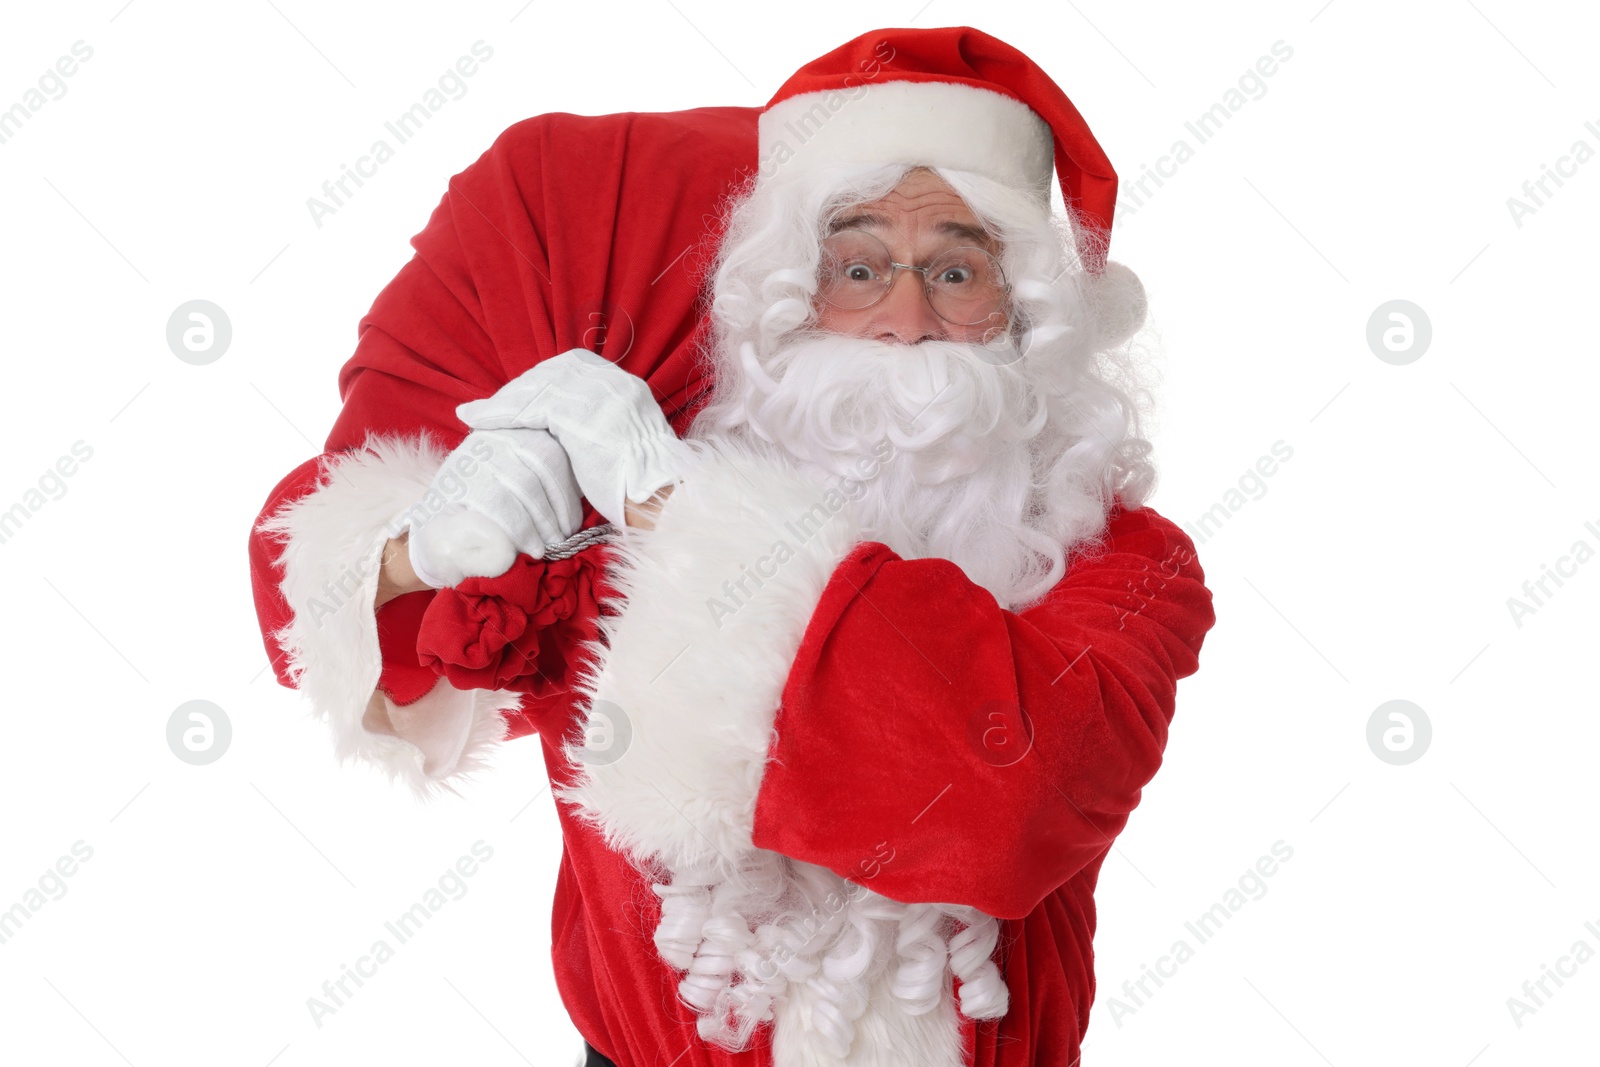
[
  {"x": 507, "y": 491},
  {"x": 615, "y": 434}
]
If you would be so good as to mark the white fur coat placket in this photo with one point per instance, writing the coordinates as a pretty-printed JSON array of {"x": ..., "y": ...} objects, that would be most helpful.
[{"x": 686, "y": 691}]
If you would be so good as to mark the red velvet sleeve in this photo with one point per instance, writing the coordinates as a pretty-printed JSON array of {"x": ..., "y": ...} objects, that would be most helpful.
[
  {"x": 374, "y": 402},
  {"x": 569, "y": 231},
  {"x": 462, "y": 633},
  {"x": 991, "y": 754},
  {"x": 272, "y": 609},
  {"x": 430, "y": 317}
]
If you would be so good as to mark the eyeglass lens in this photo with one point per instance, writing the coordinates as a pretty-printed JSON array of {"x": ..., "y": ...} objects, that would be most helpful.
[{"x": 965, "y": 285}]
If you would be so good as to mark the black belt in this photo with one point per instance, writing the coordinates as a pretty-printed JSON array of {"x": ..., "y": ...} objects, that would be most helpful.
[{"x": 594, "y": 1059}]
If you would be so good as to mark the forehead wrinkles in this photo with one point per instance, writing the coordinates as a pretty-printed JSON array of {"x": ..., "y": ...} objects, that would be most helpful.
[{"x": 929, "y": 216}]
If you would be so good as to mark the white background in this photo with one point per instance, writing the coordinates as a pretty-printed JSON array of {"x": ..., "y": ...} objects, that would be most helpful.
[{"x": 1376, "y": 565}]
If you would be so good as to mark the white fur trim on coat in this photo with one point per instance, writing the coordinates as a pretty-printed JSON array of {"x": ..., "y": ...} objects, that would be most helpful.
[
  {"x": 333, "y": 540},
  {"x": 679, "y": 706}
]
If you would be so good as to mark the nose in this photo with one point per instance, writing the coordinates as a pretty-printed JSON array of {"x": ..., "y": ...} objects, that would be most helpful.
[{"x": 904, "y": 315}]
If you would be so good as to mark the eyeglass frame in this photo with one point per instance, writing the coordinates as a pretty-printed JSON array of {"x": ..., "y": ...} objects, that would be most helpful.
[{"x": 927, "y": 286}]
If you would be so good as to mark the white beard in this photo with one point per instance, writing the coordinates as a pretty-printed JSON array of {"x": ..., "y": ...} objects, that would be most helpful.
[
  {"x": 935, "y": 446},
  {"x": 935, "y": 442}
]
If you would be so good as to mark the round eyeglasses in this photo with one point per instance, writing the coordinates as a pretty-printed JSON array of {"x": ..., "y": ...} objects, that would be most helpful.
[{"x": 965, "y": 286}]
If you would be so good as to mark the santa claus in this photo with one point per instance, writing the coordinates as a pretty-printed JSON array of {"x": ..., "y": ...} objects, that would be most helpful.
[{"x": 824, "y": 573}]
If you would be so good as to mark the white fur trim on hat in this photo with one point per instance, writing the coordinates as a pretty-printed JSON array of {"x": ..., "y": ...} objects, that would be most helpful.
[
  {"x": 936, "y": 124},
  {"x": 684, "y": 694}
]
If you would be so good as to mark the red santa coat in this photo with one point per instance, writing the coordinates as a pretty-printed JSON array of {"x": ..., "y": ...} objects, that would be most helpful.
[{"x": 879, "y": 718}]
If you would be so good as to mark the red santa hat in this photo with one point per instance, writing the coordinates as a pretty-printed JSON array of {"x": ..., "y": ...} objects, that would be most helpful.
[{"x": 946, "y": 97}]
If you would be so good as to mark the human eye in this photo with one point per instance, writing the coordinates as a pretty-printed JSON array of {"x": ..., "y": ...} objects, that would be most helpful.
[
  {"x": 955, "y": 275},
  {"x": 964, "y": 268}
]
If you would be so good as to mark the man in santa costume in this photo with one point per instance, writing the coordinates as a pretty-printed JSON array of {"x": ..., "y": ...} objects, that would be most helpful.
[{"x": 771, "y": 465}]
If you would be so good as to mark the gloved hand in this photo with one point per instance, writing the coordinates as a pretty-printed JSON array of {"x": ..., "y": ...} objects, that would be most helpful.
[
  {"x": 506, "y": 491},
  {"x": 615, "y": 434}
]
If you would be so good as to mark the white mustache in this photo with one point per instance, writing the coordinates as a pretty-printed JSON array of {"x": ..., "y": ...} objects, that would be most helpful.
[{"x": 949, "y": 405}]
